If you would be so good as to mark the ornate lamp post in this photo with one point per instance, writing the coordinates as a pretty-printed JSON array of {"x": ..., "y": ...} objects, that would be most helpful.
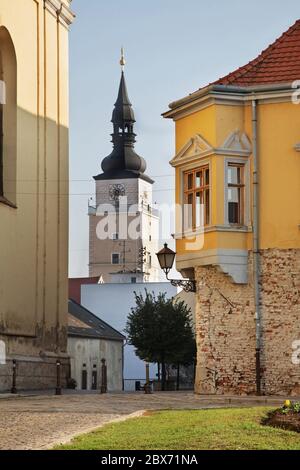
[{"x": 166, "y": 259}]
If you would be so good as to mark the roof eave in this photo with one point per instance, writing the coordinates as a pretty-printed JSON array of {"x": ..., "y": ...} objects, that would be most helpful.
[{"x": 228, "y": 90}]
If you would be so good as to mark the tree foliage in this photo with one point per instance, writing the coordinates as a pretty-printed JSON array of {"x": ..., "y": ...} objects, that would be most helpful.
[{"x": 161, "y": 330}]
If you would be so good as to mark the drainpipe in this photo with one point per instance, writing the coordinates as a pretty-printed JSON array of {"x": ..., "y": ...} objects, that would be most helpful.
[{"x": 256, "y": 267}]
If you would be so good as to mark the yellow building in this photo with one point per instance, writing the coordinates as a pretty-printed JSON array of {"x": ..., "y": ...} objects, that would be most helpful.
[
  {"x": 33, "y": 189},
  {"x": 238, "y": 227}
]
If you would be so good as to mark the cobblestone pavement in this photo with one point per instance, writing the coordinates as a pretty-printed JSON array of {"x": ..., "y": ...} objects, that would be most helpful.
[{"x": 39, "y": 422}]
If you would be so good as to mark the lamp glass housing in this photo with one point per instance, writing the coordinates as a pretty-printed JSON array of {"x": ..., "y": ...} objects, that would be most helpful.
[{"x": 166, "y": 258}]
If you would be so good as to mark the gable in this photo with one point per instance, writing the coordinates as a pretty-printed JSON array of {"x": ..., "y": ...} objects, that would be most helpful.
[
  {"x": 197, "y": 146},
  {"x": 236, "y": 143}
]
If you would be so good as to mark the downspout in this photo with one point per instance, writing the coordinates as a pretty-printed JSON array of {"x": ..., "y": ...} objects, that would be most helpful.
[{"x": 256, "y": 264}]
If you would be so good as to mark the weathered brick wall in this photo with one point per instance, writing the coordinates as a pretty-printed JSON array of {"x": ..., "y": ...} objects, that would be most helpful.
[
  {"x": 226, "y": 335},
  {"x": 280, "y": 299}
]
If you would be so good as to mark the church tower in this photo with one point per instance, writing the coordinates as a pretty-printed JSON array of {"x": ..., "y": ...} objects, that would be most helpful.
[{"x": 124, "y": 225}]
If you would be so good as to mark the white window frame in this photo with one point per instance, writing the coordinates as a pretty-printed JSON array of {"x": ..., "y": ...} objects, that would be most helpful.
[{"x": 246, "y": 214}]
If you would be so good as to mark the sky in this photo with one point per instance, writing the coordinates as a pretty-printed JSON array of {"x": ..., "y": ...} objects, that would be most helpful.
[{"x": 172, "y": 48}]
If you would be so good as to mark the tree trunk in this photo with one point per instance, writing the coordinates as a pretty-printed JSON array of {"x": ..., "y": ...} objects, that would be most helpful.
[
  {"x": 158, "y": 371},
  {"x": 178, "y": 377},
  {"x": 163, "y": 375}
]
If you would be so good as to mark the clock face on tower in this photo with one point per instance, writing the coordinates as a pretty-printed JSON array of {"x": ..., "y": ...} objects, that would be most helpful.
[{"x": 116, "y": 191}]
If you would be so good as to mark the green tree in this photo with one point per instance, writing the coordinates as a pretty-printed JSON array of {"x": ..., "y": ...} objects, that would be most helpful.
[{"x": 161, "y": 331}]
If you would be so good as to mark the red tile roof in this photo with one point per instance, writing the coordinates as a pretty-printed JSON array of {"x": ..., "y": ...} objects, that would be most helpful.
[{"x": 279, "y": 63}]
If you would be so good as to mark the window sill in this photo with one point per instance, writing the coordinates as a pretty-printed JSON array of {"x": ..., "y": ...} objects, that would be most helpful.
[
  {"x": 213, "y": 228},
  {"x": 6, "y": 202}
]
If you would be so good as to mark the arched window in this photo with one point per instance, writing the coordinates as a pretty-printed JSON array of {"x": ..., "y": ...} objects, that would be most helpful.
[{"x": 8, "y": 119}]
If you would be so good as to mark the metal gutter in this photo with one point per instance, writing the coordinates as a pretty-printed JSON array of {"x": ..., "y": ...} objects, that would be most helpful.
[{"x": 256, "y": 263}]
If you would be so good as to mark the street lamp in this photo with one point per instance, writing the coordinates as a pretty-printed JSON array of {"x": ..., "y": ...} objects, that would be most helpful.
[{"x": 166, "y": 259}]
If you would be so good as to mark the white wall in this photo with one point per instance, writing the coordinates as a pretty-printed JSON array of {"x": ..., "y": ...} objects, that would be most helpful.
[
  {"x": 90, "y": 352},
  {"x": 112, "y": 303}
]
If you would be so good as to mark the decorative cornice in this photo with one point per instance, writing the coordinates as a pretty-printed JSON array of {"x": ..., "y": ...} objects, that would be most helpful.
[
  {"x": 237, "y": 144},
  {"x": 227, "y": 96},
  {"x": 61, "y": 10}
]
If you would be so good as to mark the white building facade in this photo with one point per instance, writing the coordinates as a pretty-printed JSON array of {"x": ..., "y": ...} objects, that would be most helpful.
[{"x": 113, "y": 303}]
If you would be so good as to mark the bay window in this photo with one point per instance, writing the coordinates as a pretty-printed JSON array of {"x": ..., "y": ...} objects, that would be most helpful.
[
  {"x": 197, "y": 198},
  {"x": 235, "y": 193}
]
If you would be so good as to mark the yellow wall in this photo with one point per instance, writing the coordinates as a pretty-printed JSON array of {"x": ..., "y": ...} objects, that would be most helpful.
[
  {"x": 34, "y": 236},
  {"x": 278, "y": 131},
  {"x": 203, "y": 123}
]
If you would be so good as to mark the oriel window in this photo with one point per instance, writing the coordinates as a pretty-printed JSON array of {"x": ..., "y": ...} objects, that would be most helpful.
[
  {"x": 197, "y": 198},
  {"x": 235, "y": 193}
]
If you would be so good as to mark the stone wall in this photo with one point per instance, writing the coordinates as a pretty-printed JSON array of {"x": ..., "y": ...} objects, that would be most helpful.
[
  {"x": 34, "y": 373},
  {"x": 226, "y": 333}
]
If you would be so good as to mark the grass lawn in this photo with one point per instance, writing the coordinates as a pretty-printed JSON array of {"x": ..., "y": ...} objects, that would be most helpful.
[{"x": 235, "y": 429}]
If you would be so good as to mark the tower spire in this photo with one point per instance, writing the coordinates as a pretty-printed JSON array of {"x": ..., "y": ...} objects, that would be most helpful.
[{"x": 123, "y": 161}]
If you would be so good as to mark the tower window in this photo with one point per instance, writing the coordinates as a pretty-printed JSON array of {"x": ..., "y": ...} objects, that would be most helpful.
[
  {"x": 235, "y": 193},
  {"x": 197, "y": 198},
  {"x": 115, "y": 258}
]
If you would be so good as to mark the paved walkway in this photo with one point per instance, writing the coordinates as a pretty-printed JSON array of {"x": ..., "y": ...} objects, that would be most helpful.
[{"x": 40, "y": 422}]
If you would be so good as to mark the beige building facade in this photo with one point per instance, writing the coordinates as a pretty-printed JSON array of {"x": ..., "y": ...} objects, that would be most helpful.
[{"x": 34, "y": 190}]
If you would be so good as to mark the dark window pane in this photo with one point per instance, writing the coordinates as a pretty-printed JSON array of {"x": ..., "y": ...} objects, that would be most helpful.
[
  {"x": 115, "y": 259},
  {"x": 233, "y": 212},
  {"x": 207, "y": 207},
  {"x": 207, "y": 177},
  {"x": 190, "y": 183},
  {"x": 234, "y": 205}
]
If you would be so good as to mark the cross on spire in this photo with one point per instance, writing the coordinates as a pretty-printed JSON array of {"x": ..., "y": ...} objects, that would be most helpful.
[{"x": 122, "y": 60}]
